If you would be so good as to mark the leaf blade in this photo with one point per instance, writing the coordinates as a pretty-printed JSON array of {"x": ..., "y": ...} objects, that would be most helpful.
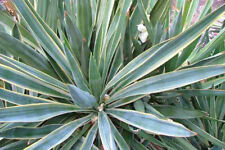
[
  {"x": 59, "y": 135},
  {"x": 105, "y": 132},
  {"x": 36, "y": 112},
  {"x": 28, "y": 132},
  {"x": 82, "y": 98},
  {"x": 169, "y": 81},
  {"x": 151, "y": 123},
  {"x": 89, "y": 140},
  {"x": 148, "y": 62}
]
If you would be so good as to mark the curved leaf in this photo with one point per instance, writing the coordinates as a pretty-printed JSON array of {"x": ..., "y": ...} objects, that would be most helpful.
[
  {"x": 204, "y": 134},
  {"x": 95, "y": 79},
  {"x": 28, "y": 132},
  {"x": 59, "y": 135},
  {"x": 43, "y": 35},
  {"x": 27, "y": 37},
  {"x": 75, "y": 138},
  {"x": 84, "y": 18},
  {"x": 147, "y": 61},
  {"x": 105, "y": 132},
  {"x": 179, "y": 112},
  {"x": 77, "y": 74},
  {"x": 75, "y": 38},
  {"x": 89, "y": 140},
  {"x": 151, "y": 123},
  {"x": 28, "y": 82},
  {"x": 32, "y": 72},
  {"x": 36, "y": 112},
  {"x": 50, "y": 32},
  {"x": 207, "y": 50},
  {"x": 198, "y": 92},
  {"x": 169, "y": 81},
  {"x": 118, "y": 138},
  {"x": 20, "y": 99},
  {"x": 159, "y": 11},
  {"x": 28, "y": 55},
  {"x": 15, "y": 145}
]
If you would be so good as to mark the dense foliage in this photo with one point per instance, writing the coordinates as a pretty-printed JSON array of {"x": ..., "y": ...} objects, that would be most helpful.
[{"x": 111, "y": 74}]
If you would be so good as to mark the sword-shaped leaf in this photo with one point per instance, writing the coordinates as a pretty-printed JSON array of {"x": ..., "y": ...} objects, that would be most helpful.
[
  {"x": 28, "y": 132},
  {"x": 59, "y": 135},
  {"x": 151, "y": 123},
  {"x": 169, "y": 81},
  {"x": 149, "y": 61},
  {"x": 36, "y": 112},
  {"x": 105, "y": 132}
]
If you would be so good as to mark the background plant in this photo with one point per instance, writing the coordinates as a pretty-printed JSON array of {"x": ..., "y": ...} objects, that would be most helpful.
[{"x": 82, "y": 79}]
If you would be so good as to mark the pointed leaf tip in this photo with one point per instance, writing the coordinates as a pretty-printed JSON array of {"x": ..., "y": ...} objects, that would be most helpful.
[{"x": 151, "y": 123}]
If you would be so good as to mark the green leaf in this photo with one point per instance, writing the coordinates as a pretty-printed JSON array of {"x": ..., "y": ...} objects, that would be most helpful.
[
  {"x": 129, "y": 67},
  {"x": 82, "y": 98},
  {"x": 149, "y": 61},
  {"x": 109, "y": 52},
  {"x": 7, "y": 125},
  {"x": 176, "y": 28},
  {"x": 185, "y": 144},
  {"x": 59, "y": 135},
  {"x": 103, "y": 22},
  {"x": 105, "y": 132},
  {"x": 15, "y": 145},
  {"x": 28, "y": 132},
  {"x": 193, "y": 7},
  {"x": 75, "y": 38},
  {"x": 36, "y": 112},
  {"x": 213, "y": 82},
  {"x": 139, "y": 106},
  {"x": 150, "y": 109},
  {"x": 187, "y": 52},
  {"x": 160, "y": 11},
  {"x": 152, "y": 139},
  {"x": 212, "y": 60},
  {"x": 204, "y": 134},
  {"x": 28, "y": 82},
  {"x": 151, "y": 123},
  {"x": 179, "y": 112},
  {"x": 51, "y": 20},
  {"x": 26, "y": 53},
  {"x": 50, "y": 32},
  {"x": 84, "y": 18},
  {"x": 125, "y": 101},
  {"x": 16, "y": 32},
  {"x": 118, "y": 138},
  {"x": 117, "y": 64},
  {"x": 138, "y": 145},
  {"x": 28, "y": 38},
  {"x": 32, "y": 72},
  {"x": 80, "y": 142},
  {"x": 206, "y": 9},
  {"x": 169, "y": 81},
  {"x": 89, "y": 140},
  {"x": 95, "y": 79},
  {"x": 42, "y": 8},
  {"x": 75, "y": 138},
  {"x": 40, "y": 31},
  {"x": 20, "y": 99},
  {"x": 207, "y": 50},
  {"x": 200, "y": 92},
  {"x": 77, "y": 73}
]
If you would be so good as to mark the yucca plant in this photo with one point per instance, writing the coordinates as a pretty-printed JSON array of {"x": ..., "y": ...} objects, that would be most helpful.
[{"x": 76, "y": 75}]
